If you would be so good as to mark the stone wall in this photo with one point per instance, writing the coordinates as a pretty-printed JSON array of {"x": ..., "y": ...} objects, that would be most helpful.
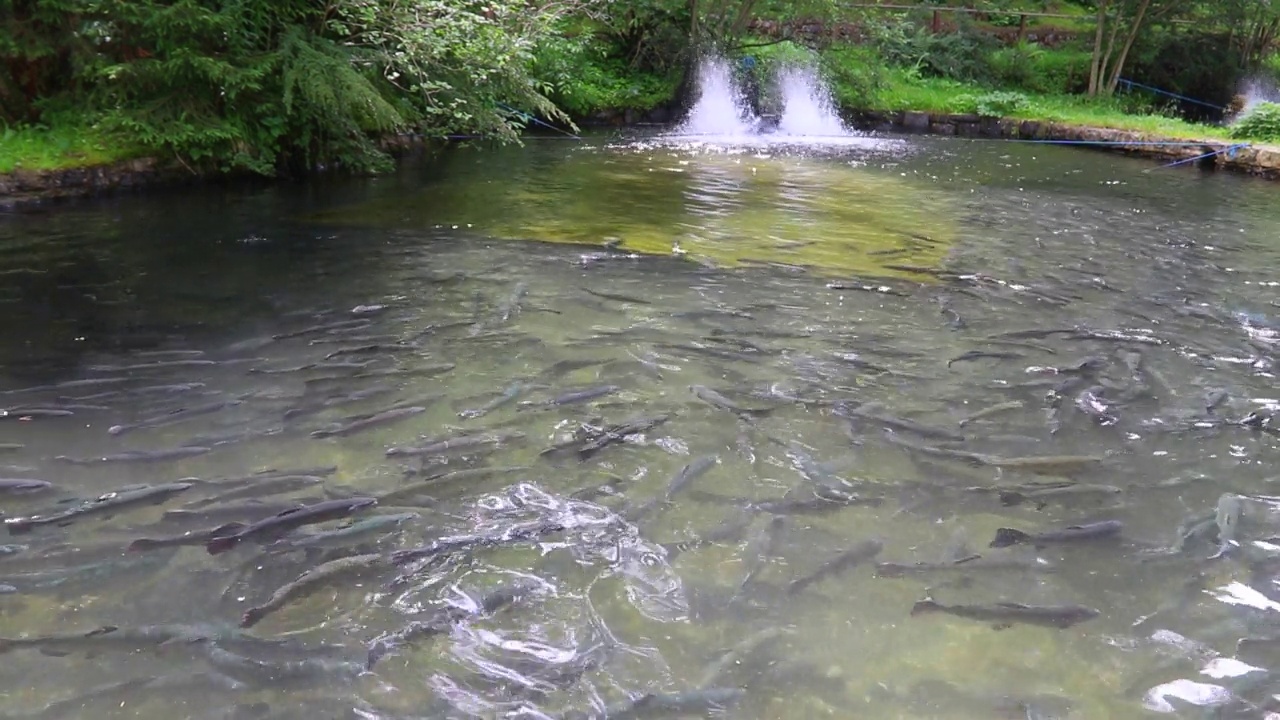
[
  {"x": 1259, "y": 160},
  {"x": 27, "y": 186}
]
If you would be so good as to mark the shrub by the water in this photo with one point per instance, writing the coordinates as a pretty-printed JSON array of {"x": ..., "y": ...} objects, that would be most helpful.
[{"x": 1261, "y": 123}]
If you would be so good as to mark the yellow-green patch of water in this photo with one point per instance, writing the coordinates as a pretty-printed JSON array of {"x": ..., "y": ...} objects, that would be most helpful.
[{"x": 824, "y": 213}]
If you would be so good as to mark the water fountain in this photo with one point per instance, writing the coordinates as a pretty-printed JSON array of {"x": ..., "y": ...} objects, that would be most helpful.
[
  {"x": 721, "y": 112},
  {"x": 808, "y": 109}
]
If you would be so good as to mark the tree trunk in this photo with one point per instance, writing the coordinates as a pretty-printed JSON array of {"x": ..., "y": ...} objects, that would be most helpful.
[
  {"x": 1118, "y": 66},
  {"x": 1105, "y": 65},
  {"x": 1096, "y": 62}
]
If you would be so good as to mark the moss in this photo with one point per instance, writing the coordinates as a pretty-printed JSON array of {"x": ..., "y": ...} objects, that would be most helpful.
[{"x": 59, "y": 148}]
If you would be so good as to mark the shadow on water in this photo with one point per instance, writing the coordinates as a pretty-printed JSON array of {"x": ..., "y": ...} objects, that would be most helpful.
[{"x": 656, "y": 428}]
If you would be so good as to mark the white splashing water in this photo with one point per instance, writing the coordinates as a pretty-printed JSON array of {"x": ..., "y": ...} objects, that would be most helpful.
[
  {"x": 808, "y": 109},
  {"x": 1256, "y": 90},
  {"x": 719, "y": 109}
]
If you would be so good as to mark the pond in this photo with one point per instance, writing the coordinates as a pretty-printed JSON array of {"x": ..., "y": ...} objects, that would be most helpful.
[{"x": 640, "y": 427}]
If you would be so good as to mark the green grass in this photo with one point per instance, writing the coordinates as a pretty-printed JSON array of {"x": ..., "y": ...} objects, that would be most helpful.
[
  {"x": 900, "y": 91},
  {"x": 58, "y": 148}
]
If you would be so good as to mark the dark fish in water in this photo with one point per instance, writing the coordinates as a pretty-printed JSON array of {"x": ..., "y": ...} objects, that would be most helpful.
[
  {"x": 512, "y": 304},
  {"x": 577, "y": 396},
  {"x": 353, "y": 397},
  {"x": 694, "y": 703},
  {"x": 717, "y": 400},
  {"x": 344, "y": 535},
  {"x": 11, "y": 447},
  {"x": 617, "y": 297},
  {"x": 991, "y": 410},
  {"x": 373, "y": 348},
  {"x": 435, "y": 482},
  {"x": 274, "y": 527},
  {"x": 871, "y": 412},
  {"x": 30, "y": 413},
  {"x": 515, "y": 533},
  {"x": 1005, "y": 614},
  {"x": 381, "y": 418},
  {"x": 511, "y": 393},
  {"x": 139, "y": 456},
  {"x": 461, "y": 442},
  {"x": 195, "y": 537},
  {"x": 979, "y": 354},
  {"x": 174, "y": 416},
  {"x": 312, "y": 580},
  {"x": 249, "y": 511},
  {"x": 443, "y": 620},
  {"x": 619, "y": 433},
  {"x": 278, "y": 673},
  {"x": 1012, "y": 495},
  {"x": 967, "y": 564},
  {"x": 23, "y": 485},
  {"x": 267, "y": 485},
  {"x": 317, "y": 329},
  {"x": 133, "y": 639},
  {"x": 117, "y": 500},
  {"x": 686, "y": 475},
  {"x": 1105, "y": 529},
  {"x": 1091, "y": 403},
  {"x": 1215, "y": 399},
  {"x": 851, "y": 558}
]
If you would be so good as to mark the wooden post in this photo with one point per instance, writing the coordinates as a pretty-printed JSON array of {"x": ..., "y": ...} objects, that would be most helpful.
[
  {"x": 937, "y": 21},
  {"x": 1022, "y": 27}
]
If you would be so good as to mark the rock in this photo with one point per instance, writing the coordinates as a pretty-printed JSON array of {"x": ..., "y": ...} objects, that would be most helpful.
[
  {"x": 915, "y": 121},
  {"x": 942, "y": 129}
]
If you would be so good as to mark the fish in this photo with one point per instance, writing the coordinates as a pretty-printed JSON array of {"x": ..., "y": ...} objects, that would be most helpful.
[
  {"x": 372, "y": 348},
  {"x": 30, "y": 413},
  {"x": 344, "y": 535},
  {"x": 966, "y": 564},
  {"x": 248, "y": 511},
  {"x": 1045, "y": 464},
  {"x": 619, "y": 433},
  {"x": 979, "y": 354},
  {"x": 278, "y": 673},
  {"x": 1004, "y": 614},
  {"x": 443, "y": 620},
  {"x": 13, "y": 486},
  {"x": 133, "y": 639},
  {"x": 686, "y": 475},
  {"x": 846, "y": 560},
  {"x": 117, "y": 500},
  {"x": 12, "y": 447},
  {"x": 1091, "y": 403},
  {"x": 277, "y": 525},
  {"x": 760, "y": 548},
  {"x": 140, "y": 456},
  {"x": 1011, "y": 495},
  {"x": 382, "y": 418},
  {"x": 353, "y": 397},
  {"x": 174, "y": 416},
  {"x": 512, "y": 304},
  {"x": 1227, "y": 518},
  {"x": 267, "y": 485},
  {"x": 312, "y": 580},
  {"x": 318, "y": 329},
  {"x": 617, "y": 297},
  {"x": 511, "y": 393},
  {"x": 578, "y": 396},
  {"x": 461, "y": 442},
  {"x": 870, "y": 411},
  {"x": 717, "y": 400},
  {"x": 1105, "y": 529},
  {"x": 435, "y": 482},
  {"x": 991, "y": 410},
  {"x": 192, "y": 538}
]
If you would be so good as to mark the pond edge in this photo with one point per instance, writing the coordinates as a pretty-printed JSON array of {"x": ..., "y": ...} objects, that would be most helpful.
[{"x": 25, "y": 187}]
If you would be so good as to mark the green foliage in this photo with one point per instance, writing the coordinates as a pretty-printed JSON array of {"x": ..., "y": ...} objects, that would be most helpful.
[
  {"x": 1032, "y": 67},
  {"x": 1001, "y": 103},
  {"x": 583, "y": 78},
  {"x": 1261, "y": 123},
  {"x": 37, "y": 147},
  {"x": 856, "y": 74},
  {"x": 960, "y": 55}
]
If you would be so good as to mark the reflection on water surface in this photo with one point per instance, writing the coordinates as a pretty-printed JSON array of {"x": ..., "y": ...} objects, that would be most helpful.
[{"x": 760, "y": 476}]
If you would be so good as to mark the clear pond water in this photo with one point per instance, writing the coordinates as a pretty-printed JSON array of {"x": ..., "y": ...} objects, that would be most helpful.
[{"x": 794, "y": 323}]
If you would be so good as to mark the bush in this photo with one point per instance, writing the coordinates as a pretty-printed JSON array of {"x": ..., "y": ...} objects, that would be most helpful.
[
  {"x": 1261, "y": 123},
  {"x": 1034, "y": 68},
  {"x": 1001, "y": 103},
  {"x": 960, "y": 55},
  {"x": 856, "y": 74},
  {"x": 583, "y": 78}
]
